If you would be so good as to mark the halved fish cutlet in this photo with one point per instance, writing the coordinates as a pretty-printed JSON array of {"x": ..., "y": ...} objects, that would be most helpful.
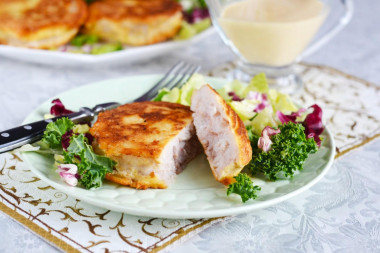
[
  {"x": 222, "y": 134},
  {"x": 150, "y": 141}
]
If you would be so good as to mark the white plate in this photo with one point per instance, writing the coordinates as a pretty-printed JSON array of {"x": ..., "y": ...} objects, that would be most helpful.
[
  {"x": 127, "y": 55},
  {"x": 195, "y": 193}
]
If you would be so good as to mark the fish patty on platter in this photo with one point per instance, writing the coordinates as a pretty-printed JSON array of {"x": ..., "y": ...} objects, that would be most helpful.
[
  {"x": 40, "y": 23},
  {"x": 134, "y": 22}
]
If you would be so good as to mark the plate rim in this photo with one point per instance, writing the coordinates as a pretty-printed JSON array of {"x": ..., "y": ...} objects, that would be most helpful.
[
  {"x": 178, "y": 214},
  {"x": 108, "y": 57}
]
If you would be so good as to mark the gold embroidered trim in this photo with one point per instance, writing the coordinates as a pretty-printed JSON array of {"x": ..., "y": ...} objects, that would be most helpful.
[
  {"x": 36, "y": 229},
  {"x": 357, "y": 146},
  {"x": 68, "y": 248}
]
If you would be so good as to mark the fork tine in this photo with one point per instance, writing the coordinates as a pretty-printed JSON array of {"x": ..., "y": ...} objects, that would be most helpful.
[
  {"x": 185, "y": 77},
  {"x": 159, "y": 84},
  {"x": 168, "y": 84},
  {"x": 163, "y": 82},
  {"x": 176, "y": 75}
]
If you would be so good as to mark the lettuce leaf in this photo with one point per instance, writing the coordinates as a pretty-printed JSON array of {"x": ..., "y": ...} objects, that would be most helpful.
[
  {"x": 261, "y": 120},
  {"x": 281, "y": 102},
  {"x": 161, "y": 94},
  {"x": 183, "y": 95},
  {"x": 92, "y": 168},
  {"x": 83, "y": 39},
  {"x": 236, "y": 86},
  {"x": 55, "y": 130},
  {"x": 245, "y": 109},
  {"x": 258, "y": 83},
  {"x": 172, "y": 96}
]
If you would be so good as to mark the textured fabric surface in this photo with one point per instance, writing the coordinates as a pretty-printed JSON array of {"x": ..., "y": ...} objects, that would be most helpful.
[
  {"x": 339, "y": 214},
  {"x": 343, "y": 222}
]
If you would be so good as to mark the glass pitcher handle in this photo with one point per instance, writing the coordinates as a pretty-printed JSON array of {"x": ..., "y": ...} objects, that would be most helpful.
[{"x": 341, "y": 23}]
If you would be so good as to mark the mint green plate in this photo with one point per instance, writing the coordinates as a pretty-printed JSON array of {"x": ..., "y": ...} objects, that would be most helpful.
[{"x": 195, "y": 193}]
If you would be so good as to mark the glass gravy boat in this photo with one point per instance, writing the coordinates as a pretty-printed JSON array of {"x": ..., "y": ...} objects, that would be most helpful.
[{"x": 270, "y": 36}]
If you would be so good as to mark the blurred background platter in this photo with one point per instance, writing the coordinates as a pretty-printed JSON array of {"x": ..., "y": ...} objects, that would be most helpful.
[
  {"x": 127, "y": 55},
  {"x": 98, "y": 32}
]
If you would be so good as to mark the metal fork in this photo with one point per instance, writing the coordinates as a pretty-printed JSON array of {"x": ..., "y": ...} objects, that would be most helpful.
[
  {"x": 13, "y": 138},
  {"x": 177, "y": 76}
]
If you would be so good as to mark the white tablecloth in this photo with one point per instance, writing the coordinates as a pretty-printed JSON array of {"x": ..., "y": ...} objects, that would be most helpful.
[{"x": 341, "y": 213}]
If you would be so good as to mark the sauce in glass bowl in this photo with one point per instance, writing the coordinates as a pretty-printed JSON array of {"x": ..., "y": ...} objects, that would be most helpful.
[{"x": 272, "y": 32}]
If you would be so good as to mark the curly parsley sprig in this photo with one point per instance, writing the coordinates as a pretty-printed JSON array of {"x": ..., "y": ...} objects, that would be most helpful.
[
  {"x": 288, "y": 152},
  {"x": 243, "y": 187}
]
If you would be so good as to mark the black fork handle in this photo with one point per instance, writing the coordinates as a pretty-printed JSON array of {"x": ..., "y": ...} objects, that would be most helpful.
[{"x": 29, "y": 133}]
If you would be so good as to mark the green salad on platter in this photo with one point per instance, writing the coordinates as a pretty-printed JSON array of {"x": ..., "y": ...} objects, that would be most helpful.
[
  {"x": 195, "y": 20},
  {"x": 282, "y": 136}
]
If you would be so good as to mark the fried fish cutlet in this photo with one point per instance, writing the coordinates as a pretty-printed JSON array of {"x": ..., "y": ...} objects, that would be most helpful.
[
  {"x": 134, "y": 22},
  {"x": 222, "y": 134},
  {"x": 40, "y": 23},
  {"x": 150, "y": 141}
]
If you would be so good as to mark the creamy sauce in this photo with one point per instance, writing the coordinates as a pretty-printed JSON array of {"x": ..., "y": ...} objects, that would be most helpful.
[{"x": 272, "y": 32}]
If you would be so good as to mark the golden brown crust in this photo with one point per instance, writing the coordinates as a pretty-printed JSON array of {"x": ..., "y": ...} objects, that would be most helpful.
[
  {"x": 135, "y": 135},
  {"x": 134, "y": 22},
  {"x": 242, "y": 140},
  {"x": 140, "y": 129},
  {"x": 40, "y": 20},
  {"x": 154, "y": 183},
  {"x": 138, "y": 10},
  {"x": 45, "y": 13},
  {"x": 227, "y": 180}
]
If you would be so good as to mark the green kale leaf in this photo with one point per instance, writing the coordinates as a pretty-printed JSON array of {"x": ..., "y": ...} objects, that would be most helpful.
[
  {"x": 92, "y": 168},
  {"x": 202, "y": 4},
  {"x": 288, "y": 152},
  {"x": 243, "y": 187},
  {"x": 54, "y": 131},
  {"x": 83, "y": 39},
  {"x": 160, "y": 95},
  {"x": 253, "y": 138}
]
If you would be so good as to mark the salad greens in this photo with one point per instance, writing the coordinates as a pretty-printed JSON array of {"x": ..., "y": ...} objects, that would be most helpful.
[
  {"x": 252, "y": 96},
  {"x": 78, "y": 152},
  {"x": 196, "y": 19},
  {"x": 189, "y": 30},
  {"x": 54, "y": 132},
  {"x": 58, "y": 109},
  {"x": 106, "y": 48},
  {"x": 289, "y": 150},
  {"x": 294, "y": 132},
  {"x": 243, "y": 187},
  {"x": 83, "y": 39},
  {"x": 92, "y": 168},
  {"x": 183, "y": 95}
]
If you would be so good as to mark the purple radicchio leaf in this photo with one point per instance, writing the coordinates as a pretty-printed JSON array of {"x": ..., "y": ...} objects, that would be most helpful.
[
  {"x": 265, "y": 142},
  {"x": 58, "y": 109}
]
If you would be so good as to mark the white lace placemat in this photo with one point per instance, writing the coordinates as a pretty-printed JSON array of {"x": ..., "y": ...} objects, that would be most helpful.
[
  {"x": 351, "y": 110},
  {"x": 351, "y": 106},
  {"x": 73, "y": 225}
]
